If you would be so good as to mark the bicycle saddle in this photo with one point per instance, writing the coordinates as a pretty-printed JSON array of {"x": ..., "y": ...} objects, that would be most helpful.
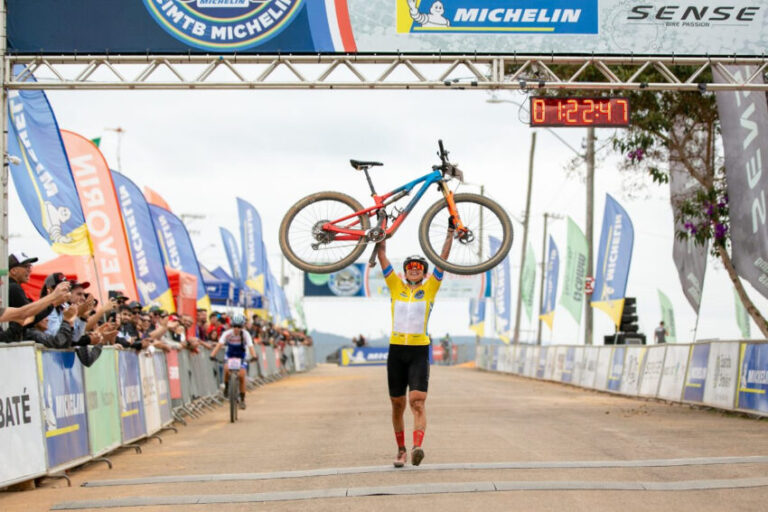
[{"x": 360, "y": 165}]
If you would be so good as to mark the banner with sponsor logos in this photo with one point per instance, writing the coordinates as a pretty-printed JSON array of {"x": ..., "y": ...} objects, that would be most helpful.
[
  {"x": 673, "y": 374},
  {"x": 572, "y": 295},
  {"x": 347, "y": 282},
  {"x": 654, "y": 365},
  {"x": 364, "y": 356},
  {"x": 753, "y": 377},
  {"x": 477, "y": 316},
  {"x": 233, "y": 256},
  {"x": 578, "y": 364},
  {"x": 529, "y": 280},
  {"x": 253, "y": 261},
  {"x": 131, "y": 399},
  {"x": 617, "y": 368},
  {"x": 541, "y": 362},
  {"x": 722, "y": 374},
  {"x": 151, "y": 279},
  {"x": 633, "y": 370},
  {"x": 652, "y": 27},
  {"x": 21, "y": 442},
  {"x": 603, "y": 368},
  {"x": 588, "y": 374},
  {"x": 502, "y": 293},
  {"x": 66, "y": 423},
  {"x": 163, "y": 388},
  {"x": 102, "y": 403},
  {"x": 149, "y": 392},
  {"x": 696, "y": 376},
  {"x": 549, "y": 303}
]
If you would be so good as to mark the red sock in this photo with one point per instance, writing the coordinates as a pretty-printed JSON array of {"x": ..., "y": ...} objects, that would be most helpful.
[
  {"x": 400, "y": 438},
  {"x": 418, "y": 437}
]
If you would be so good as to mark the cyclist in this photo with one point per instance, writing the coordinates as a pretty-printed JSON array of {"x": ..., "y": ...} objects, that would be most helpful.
[
  {"x": 236, "y": 340},
  {"x": 408, "y": 359}
]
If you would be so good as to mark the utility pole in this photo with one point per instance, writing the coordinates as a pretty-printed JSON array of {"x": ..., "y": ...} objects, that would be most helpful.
[
  {"x": 119, "y": 131},
  {"x": 544, "y": 260},
  {"x": 479, "y": 258},
  {"x": 5, "y": 162},
  {"x": 516, "y": 335},
  {"x": 590, "y": 160}
]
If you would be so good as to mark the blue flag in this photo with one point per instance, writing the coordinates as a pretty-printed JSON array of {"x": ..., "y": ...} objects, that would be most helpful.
[
  {"x": 501, "y": 293},
  {"x": 547, "y": 313},
  {"x": 254, "y": 264},
  {"x": 151, "y": 279},
  {"x": 477, "y": 316},
  {"x": 233, "y": 256},
  {"x": 177, "y": 249},
  {"x": 613, "y": 260},
  {"x": 42, "y": 175}
]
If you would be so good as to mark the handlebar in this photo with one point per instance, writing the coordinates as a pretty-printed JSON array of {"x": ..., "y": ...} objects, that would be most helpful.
[{"x": 446, "y": 166}]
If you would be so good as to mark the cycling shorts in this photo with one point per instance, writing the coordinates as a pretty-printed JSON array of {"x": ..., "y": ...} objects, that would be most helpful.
[{"x": 407, "y": 367}]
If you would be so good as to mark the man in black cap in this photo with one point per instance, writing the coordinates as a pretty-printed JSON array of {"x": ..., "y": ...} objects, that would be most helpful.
[{"x": 19, "y": 268}]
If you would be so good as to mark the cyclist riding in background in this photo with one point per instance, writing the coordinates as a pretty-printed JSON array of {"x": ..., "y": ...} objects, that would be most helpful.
[
  {"x": 408, "y": 359},
  {"x": 236, "y": 339}
]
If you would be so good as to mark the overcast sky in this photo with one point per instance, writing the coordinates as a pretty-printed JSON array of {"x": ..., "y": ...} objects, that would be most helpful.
[{"x": 202, "y": 149}]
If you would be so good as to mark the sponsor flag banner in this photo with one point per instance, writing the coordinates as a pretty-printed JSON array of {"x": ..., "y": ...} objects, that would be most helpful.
[
  {"x": 668, "y": 315},
  {"x": 549, "y": 304},
  {"x": 163, "y": 389},
  {"x": 529, "y": 280},
  {"x": 673, "y": 374},
  {"x": 41, "y": 172},
  {"x": 477, "y": 316},
  {"x": 617, "y": 368},
  {"x": 613, "y": 260},
  {"x": 744, "y": 127},
  {"x": 131, "y": 398},
  {"x": 501, "y": 293},
  {"x": 102, "y": 403},
  {"x": 255, "y": 266},
  {"x": 753, "y": 377},
  {"x": 66, "y": 424},
  {"x": 21, "y": 440},
  {"x": 151, "y": 279},
  {"x": 742, "y": 317},
  {"x": 98, "y": 198},
  {"x": 155, "y": 198},
  {"x": 722, "y": 374},
  {"x": 177, "y": 249},
  {"x": 572, "y": 295},
  {"x": 654, "y": 365},
  {"x": 385, "y": 26},
  {"x": 690, "y": 258},
  {"x": 233, "y": 256},
  {"x": 347, "y": 282}
]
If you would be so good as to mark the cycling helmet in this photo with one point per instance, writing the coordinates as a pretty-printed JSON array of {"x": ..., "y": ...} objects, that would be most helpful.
[
  {"x": 238, "y": 320},
  {"x": 417, "y": 258}
]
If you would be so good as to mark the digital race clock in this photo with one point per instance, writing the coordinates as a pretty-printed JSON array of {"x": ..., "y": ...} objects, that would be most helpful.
[{"x": 553, "y": 111}]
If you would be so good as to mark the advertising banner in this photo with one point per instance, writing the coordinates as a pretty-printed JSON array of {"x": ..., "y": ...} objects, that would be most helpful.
[
  {"x": 233, "y": 256},
  {"x": 151, "y": 279},
  {"x": 364, "y": 356},
  {"x": 744, "y": 128},
  {"x": 177, "y": 249},
  {"x": 66, "y": 424},
  {"x": 149, "y": 392},
  {"x": 617, "y": 368},
  {"x": 557, "y": 373},
  {"x": 668, "y": 316},
  {"x": 547, "y": 313},
  {"x": 696, "y": 376},
  {"x": 589, "y": 373},
  {"x": 253, "y": 261},
  {"x": 652, "y": 370},
  {"x": 603, "y": 368},
  {"x": 742, "y": 317},
  {"x": 520, "y": 360},
  {"x": 613, "y": 260},
  {"x": 529, "y": 280},
  {"x": 21, "y": 428},
  {"x": 633, "y": 370},
  {"x": 568, "y": 364},
  {"x": 347, "y": 282},
  {"x": 163, "y": 392},
  {"x": 531, "y": 360},
  {"x": 131, "y": 398},
  {"x": 174, "y": 379},
  {"x": 673, "y": 374},
  {"x": 549, "y": 370},
  {"x": 578, "y": 364},
  {"x": 477, "y": 316},
  {"x": 722, "y": 374},
  {"x": 42, "y": 176},
  {"x": 98, "y": 199},
  {"x": 753, "y": 377},
  {"x": 541, "y": 365},
  {"x": 653, "y": 27},
  {"x": 572, "y": 295},
  {"x": 102, "y": 403},
  {"x": 502, "y": 293}
]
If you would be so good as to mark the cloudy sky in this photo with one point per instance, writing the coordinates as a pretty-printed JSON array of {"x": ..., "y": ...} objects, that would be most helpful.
[{"x": 202, "y": 149}]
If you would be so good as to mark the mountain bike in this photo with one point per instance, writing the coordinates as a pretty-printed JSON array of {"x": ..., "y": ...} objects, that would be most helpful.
[{"x": 328, "y": 231}]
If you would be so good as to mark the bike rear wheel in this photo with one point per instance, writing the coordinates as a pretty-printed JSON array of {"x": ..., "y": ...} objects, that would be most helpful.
[
  {"x": 489, "y": 225},
  {"x": 234, "y": 392},
  {"x": 301, "y": 228}
]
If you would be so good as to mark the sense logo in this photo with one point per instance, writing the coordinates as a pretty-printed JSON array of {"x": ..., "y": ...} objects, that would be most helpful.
[{"x": 223, "y": 25}]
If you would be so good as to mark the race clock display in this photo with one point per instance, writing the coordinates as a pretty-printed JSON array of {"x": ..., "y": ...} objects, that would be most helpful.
[{"x": 554, "y": 111}]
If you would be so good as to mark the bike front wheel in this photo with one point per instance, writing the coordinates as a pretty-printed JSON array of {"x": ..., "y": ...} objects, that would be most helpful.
[
  {"x": 484, "y": 246},
  {"x": 315, "y": 250},
  {"x": 234, "y": 391}
]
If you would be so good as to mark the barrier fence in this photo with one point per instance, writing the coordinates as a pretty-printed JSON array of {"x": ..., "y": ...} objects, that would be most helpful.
[
  {"x": 55, "y": 414},
  {"x": 730, "y": 375}
]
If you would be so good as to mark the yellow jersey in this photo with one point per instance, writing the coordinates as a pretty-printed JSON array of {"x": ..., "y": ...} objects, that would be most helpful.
[{"x": 411, "y": 307}]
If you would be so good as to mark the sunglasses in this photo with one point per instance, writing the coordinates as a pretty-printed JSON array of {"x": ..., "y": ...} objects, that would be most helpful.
[{"x": 414, "y": 265}]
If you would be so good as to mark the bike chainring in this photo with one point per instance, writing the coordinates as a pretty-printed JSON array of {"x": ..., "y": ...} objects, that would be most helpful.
[{"x": 376, "y": 235}]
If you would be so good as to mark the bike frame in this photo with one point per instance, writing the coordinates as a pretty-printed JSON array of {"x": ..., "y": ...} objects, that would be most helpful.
[{"x": 348, "y": 232}]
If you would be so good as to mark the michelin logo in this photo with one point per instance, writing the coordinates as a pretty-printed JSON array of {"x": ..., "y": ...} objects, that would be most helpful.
[{"x": 486, "y": 16}]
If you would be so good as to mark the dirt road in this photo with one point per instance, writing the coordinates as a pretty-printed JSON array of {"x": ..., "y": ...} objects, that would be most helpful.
[{"x": 494, "y": 442}]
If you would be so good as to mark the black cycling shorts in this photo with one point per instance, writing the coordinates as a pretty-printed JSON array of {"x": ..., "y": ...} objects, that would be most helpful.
[{"x": 407, "y": 367}]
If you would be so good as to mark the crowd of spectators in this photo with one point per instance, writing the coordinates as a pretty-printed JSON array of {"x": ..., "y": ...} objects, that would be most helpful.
[{"x": 67, "y": 315}]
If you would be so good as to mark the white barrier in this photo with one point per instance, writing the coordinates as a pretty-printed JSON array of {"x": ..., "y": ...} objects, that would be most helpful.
[
  {"x": 604, "y": 359},
  {"x": 559, "y": 364},
  {"x": 549, "y": 369},
  {"x": 632, "y": 371},
  {"x": 720, "y": 389},
  {"x": 673, "y": 375},
  {"x": 652, "y": 370},
  {"x": 589, "y": 374},
  {"x": 578, "y": 365},
  {"x": 149, "y": 393}
]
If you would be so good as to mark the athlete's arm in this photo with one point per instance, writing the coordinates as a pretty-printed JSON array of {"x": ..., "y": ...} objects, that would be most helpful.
[
  {"x": 447, "y": 244},
  {"x": 219, "y": 344},
  {"x": 249, "y": 343},
  {"x": 381, "y": 249}
]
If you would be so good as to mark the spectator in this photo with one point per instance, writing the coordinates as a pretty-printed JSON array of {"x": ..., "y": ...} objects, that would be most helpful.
[
  {"x": 660, "y": 333},
  {"x": 19, "y": 268},
  {"x": 359, "y": 341},
  {"x": 17, "y": 317},
  {"x": 77, "y": 300},
  {"x": 215, "y": 327}
]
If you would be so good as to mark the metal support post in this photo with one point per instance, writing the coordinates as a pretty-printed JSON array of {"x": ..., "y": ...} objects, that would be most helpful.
[
  {"x": 516, "y": 335},
  {"x": 590, "y": 160}
]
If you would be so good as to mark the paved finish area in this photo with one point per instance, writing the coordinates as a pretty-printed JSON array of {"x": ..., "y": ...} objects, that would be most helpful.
[{"x": 323, "y": 441}]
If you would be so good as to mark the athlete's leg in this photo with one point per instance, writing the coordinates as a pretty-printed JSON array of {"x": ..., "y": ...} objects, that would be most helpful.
[
  {"x": 241, "y": 376},
  {"x": 417, "y": 400},
  {"x": 397, "y": 380},
  {"x": 226, "y": 382},
  {"x": 418, "y": 382},
  {"x": 398, "y": 411}
]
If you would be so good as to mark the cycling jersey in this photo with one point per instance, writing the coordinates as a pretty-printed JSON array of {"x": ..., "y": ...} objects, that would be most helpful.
[
  {"x": 236, "y": 344},
  {"x": 411, "y": 307}
]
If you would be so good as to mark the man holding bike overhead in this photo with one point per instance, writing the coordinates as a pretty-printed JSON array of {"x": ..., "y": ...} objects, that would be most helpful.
[
  {"x": 408, "y": 360},
  {"x": 236, "y": 339}
]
